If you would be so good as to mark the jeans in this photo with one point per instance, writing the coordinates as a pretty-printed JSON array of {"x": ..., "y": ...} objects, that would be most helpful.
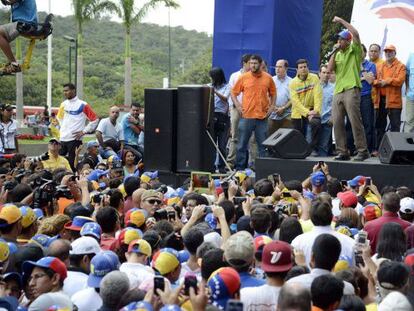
[
  {"x": 246, "y": 128},
  {"x": 394, "y": 114},
  {"x": 309, "y": 129},
  {"x": 324, "y": 146},
  {"x": 221, "y": 134},
  {"x": 106, "y": 153}
]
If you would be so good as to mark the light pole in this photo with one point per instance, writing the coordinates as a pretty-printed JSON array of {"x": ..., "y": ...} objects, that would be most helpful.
[{"x": 75, "y": 42}]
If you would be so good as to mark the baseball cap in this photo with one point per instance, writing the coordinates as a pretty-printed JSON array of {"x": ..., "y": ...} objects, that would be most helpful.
[
  {"x": 138, "y": 306},
  {"x": 239, "y": 249},
  {"x": 134, "y": 216},
  {"x": 13, "y": 276},
  {"x": 47, "y": 263},
  {"x": 7, "y": 106},
  {"x": 54, "y": 140},
  {"x": 4, "y": 250},
  {"x": 96, "y": 174},
  {"x": 43, "y": 240},
  {"x": 371, "y": 212},
  {"x": 28, "y": 216},
  {"x": 91, "y": 144},
  {"x": 91, "y": 229},
  {"x": 85, "y": 245},
  {"x": 390, "y": 47},
  {"x": 10, "y": 214},
  {"x": 357, "y": 181},
  {"x": 146, "y": 177},
  {"x": 166, "y": 260},
  {"x": 318, "y": 179},
  {"x": 128, "y": 235},
  {"x": 407, "y": 205},
  {"x": 260, "y": 241},
  {"x": 151, "y": 194},
  {"x": 242, "y": 175},
  {"x": 348, "y": 198},
  {"x": 345, "y": 34},
  {"x": 277, "y": 257},
  {"x": 211, "y": 220},
  {"x": 140, "y": 247},
  {"x": 101, "y": 264},
  {"x": 77, "y": 223},
  {"x": 39, "y": 213},
  {"x": 223, "y": 284}
]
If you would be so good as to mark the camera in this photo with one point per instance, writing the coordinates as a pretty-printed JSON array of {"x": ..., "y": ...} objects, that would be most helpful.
[
  {"x": 161, "y": 214},
  {"x": 63, "y": 192},
  {"x": 42, "y": 157},
  {"x": 44, "y": 195},
  {"x": 163, "y": 189}
]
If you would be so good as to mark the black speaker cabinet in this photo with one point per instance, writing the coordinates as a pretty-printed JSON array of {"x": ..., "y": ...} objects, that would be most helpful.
[
  {"x": 160, "y": 129},
  {"x": 287, "y": 144},
  {"x": 397, "y": 148},
  {"x": 195, "y": 112}
]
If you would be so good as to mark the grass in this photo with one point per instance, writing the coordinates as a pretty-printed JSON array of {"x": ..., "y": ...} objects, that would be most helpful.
[{"x": 46, "y": 140}]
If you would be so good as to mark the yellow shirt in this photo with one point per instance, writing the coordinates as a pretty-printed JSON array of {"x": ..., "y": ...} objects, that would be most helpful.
[
  {"x": 54, "y": 163},
  {"x": 305, "y": 95}
]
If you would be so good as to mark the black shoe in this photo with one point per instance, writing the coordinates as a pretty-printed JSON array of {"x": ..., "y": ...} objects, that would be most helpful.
[
  {"x": 342, "y": 157},
  {"x": 361, "y": 156}
]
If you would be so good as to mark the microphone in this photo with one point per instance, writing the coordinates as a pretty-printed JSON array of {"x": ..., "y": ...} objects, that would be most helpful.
[{"x": 333, "y": 51}]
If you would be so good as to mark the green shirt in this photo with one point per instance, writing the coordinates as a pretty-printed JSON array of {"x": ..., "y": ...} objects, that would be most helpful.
[{"x": 347, "y": 68}]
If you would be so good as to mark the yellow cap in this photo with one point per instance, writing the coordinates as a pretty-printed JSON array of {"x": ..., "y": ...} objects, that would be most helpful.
[{"x": 10, "y": 213}]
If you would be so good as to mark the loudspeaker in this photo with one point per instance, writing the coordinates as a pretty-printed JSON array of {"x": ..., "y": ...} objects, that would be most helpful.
[
  {"x": 160, "y": 129},
  {"x": 287, "y": 144},
  {"x": 397, "y": 148},
  {"x": 195, "y": 112}
]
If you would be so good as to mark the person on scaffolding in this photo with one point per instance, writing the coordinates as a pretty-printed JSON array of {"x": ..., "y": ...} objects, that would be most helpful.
[{"x": 22, "y": 11}]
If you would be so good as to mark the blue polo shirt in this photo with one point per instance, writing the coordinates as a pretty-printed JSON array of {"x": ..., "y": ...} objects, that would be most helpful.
[
  {"x": 367, "y": 66},
  {"x": 130, "y": 137},
  {"x": 327, "y": 97},
  {"x": 25, "y": 11}
]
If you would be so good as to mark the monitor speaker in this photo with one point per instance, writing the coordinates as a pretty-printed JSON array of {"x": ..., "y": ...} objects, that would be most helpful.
[
  {"x": 397, "y": 148},
  {"x": 287, "y": 144}
]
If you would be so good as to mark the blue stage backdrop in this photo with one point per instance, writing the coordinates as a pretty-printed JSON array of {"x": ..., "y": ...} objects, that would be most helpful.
[{"x": 274, "y": 29}]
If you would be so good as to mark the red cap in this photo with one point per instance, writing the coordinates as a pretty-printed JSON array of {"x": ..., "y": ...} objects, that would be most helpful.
[
  {"x": 348, "y": 198},
  {"x": 277, "y": 257}
]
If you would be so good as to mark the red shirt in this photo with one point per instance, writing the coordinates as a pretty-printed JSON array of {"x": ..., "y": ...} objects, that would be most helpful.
[
  {"x": 410, "y": 236},
  {"x": 108, "y": 243},
  {"x": 373, "y": 227}
]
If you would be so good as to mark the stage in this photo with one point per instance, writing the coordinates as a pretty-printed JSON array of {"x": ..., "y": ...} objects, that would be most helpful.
[{"x": 381, "y": 174}]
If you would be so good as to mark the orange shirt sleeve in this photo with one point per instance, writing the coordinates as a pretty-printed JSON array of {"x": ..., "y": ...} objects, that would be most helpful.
[{"x": 238, "y": 87}]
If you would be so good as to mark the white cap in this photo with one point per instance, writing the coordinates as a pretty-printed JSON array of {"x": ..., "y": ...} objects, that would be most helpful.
[
  {"x": 85, "y": 245},
  {"x": 407, "y": 205}
]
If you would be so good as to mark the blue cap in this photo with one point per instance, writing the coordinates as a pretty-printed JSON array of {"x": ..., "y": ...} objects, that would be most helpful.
[
  {"x": 92, "y": 229},
  {"x": 345, "y": 34},
  {"x": 39, "y": 213},
  {"x": 92, "y": 143},
  {"x": 12, "y": 247},
  {"x": 184, "y": 255},
  {"x": 101, "y": 265},
  {"x": 96, "y": 174},
  {"x": 318, "y": 179},
  {"x": 41, "y": 239},
  {"x": 211, "y": 221},
  {"x": 180, "y": 192},
  {"x": 138, "y": 306}
]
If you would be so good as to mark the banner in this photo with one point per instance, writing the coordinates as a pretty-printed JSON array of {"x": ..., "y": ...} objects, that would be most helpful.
[{"x": 386, "y": 22}]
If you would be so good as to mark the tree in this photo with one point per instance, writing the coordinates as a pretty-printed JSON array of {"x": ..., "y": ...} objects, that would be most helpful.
[
  {"x": 86, "y": 10},
  {"x": 129, "y": 17},
  {"x": 331, "y": 8}
]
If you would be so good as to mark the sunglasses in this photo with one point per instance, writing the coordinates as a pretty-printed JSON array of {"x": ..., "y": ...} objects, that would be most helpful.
[{"x": 153, "y": 201}]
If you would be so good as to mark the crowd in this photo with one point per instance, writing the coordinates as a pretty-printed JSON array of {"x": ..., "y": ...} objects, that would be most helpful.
[{"x": 95, "y": 231}]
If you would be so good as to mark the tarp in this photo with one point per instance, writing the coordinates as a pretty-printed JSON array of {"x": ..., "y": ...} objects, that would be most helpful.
[{"x": 274, "y": 29}]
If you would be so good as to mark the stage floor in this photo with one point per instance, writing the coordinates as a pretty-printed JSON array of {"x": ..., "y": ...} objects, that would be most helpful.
[{"x": 381, "y": 174}]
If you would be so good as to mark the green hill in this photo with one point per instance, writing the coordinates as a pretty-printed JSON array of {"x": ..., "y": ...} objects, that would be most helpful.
[{"x": 104, "y": 61}]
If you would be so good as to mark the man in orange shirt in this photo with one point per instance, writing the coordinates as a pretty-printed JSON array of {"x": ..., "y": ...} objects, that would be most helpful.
[
  {"x": 259, "y": 96},
  {"x": 388, "y": 99}
]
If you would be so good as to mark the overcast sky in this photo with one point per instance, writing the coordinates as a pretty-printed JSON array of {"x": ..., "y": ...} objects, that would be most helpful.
[{"x": 192, "y": 14}]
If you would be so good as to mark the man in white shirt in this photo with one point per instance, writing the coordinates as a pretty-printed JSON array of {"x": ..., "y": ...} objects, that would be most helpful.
[
  {"x": 8, "y": 130},
  {"x": 135, "y": 267},
  {"x": 321, "y": 217},
  {"x": 83, "y": 249},
  {"x": 276, "y": 263},
  {"x": 234, "y": 114},
  {"x": 72, "y": 116},
  {"x": 109, "y": 134}
]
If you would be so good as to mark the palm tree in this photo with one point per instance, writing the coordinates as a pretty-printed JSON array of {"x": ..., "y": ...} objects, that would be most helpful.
[
  {"x": 86, "y": 10},
  {"x": 129, "y": 17}
]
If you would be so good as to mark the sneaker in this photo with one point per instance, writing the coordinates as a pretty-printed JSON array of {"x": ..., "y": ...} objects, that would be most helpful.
[
  {"x": 374, "y": 154},
  {"x": 342, "y": 157},
  {"x": 11, "y": 68},
  {"x": 361, "y": 156}
]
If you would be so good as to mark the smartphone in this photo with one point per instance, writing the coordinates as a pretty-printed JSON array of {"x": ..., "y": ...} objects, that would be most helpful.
[
  {"x": 344, "y": 183},
  {"x": 234, "y": 305},
  {"x": 362, "y": 237},
  {"x": 321, "y": 163},
  {"x": 201, "y": 181},
  {"x": 275, "y": 179},
  {"x": 359, "y": 261},
  {"x": 368, "y": 181},
  {"x": 190, "y": 281},
  {"x": 239, "y": 200},
  {"x": 171, "y": 215},
  {"x": 159, "y": 283},
  {"x": 287, "y": 195}
]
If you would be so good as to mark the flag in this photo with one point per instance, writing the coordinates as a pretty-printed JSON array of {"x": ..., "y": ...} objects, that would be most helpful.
[{"x": 394, "y": 9}]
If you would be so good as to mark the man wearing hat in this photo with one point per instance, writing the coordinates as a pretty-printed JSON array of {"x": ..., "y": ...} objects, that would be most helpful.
[
  {"x": 151, "y": 201},
  {"x": 276, "y": 263},
  {"x": 346, "y": 63},
  {"x": 10, "y": 223},
  {"x": 45, "y": 279},
  {"x": 8, "y": 130},
  {"x": 388, "y": 100},
  {"x": 55, "y": 160},
  {"x": 167, "y": 262}
]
